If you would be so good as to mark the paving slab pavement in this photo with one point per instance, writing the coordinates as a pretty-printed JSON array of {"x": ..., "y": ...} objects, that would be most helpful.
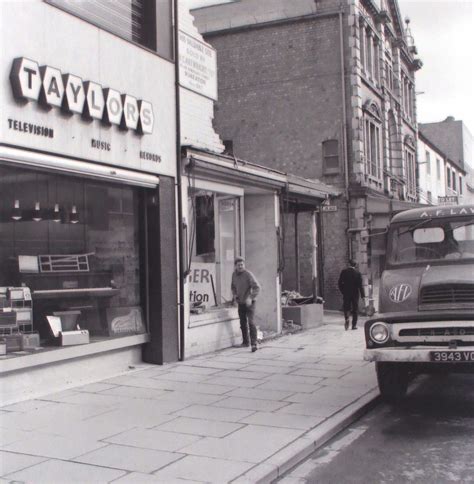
[{"x": 229, "y": 416}]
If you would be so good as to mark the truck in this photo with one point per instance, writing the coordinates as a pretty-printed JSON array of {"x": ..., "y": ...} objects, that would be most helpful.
[{"x": 425, "y": 319}]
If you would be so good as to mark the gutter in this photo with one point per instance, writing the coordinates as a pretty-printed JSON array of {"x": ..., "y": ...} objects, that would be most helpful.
[{"x": 266, "y": 23}]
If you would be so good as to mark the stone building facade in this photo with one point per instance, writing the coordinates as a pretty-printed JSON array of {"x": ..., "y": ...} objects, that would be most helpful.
[{"x": 326, "y": 90}]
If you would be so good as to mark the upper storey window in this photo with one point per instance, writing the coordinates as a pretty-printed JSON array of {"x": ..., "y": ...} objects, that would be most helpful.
[
  {"x": 409, "y": 148},
  {"x": 372, "y": 141},
  {"x": 369, "y": 52},
  {"x": 407, "y": 96},
  {"x": 145, "y": 22},
  {"x": 389, "y": 74}
]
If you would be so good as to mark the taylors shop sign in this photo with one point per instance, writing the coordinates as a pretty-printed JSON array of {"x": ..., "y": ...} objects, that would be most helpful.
[{"x": 50, "y": 87}]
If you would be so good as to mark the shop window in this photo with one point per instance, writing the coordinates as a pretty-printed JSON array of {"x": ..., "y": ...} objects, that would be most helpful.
[
  {"x": 74, "y": 246},
  {"x": 214, "y": 240},
  {"x": 330, "y": 156},
  {"x": 205, "y": 226},
  {"x": 145, "y": 22}
]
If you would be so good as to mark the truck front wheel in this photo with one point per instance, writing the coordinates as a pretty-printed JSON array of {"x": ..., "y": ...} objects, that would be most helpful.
[{"x": 392, "y": 379}]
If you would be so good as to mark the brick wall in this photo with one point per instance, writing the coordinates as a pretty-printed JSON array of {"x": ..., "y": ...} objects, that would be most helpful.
[
  {"x": 335, "y": 253},
  {"x": 279, "y": 93},
  {"x": 279, "y": 99}
]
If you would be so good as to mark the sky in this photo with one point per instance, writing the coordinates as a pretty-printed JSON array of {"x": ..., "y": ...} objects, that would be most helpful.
[{"x": 444, "y": 36}]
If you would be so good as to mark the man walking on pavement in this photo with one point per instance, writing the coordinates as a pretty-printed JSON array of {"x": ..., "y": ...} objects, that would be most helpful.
[
  {"x": 350, "y": 285},
  {"x": 245, "y": 289}
]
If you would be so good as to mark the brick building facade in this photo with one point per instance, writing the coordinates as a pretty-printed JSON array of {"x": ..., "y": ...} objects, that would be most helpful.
[{"x": 326, "y": 90}]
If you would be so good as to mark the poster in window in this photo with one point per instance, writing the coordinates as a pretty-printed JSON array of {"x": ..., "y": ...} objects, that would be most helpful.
[{"x": 202, "y": 284}]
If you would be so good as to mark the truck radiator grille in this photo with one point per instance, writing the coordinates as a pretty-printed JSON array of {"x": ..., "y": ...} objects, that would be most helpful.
[
  {"x": 448, "y": 294},
  {"x": 451, "y": 331}
]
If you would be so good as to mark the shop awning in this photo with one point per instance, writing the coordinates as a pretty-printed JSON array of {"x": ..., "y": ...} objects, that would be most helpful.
[
  {"x": 311, "y": 192},
  {"x": 76, "y": 167},
  {"x": 222, "y": 169},
  {"x": 307, "y": 189}
]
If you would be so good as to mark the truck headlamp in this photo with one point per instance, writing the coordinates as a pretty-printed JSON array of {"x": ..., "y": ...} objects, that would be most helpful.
[{"x": 379, "y": 333}]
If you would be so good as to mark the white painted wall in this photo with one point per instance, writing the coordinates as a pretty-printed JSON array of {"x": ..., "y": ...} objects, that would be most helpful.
[
  {"x": 50, "y": 36},
  {"x": 429, "y": 181},
  {"x": 197, "y": 111},
  {"x": 261, "y": 255}
]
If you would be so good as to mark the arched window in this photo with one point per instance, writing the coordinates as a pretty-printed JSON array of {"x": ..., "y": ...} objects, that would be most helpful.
[{"x": 372, "y": 140}]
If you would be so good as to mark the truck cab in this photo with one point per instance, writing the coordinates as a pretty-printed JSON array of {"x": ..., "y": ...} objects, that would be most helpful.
[{"x": 426, "y": 298}]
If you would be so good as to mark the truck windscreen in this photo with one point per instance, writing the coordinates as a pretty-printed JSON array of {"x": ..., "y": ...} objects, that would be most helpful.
[{"x": 431, "y": 240}]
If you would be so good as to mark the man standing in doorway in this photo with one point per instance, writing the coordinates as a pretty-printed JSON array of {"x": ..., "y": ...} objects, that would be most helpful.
[
  {"x": 350, "y": 285},
  {"x": 245, "y": 289}
]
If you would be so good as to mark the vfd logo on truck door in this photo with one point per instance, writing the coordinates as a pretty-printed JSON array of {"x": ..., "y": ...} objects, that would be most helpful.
[{"x": 400, "y": 292}]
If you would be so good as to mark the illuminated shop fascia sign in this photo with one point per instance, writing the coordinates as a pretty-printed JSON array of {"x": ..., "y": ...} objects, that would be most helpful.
[{"x": 51, "y": 88}]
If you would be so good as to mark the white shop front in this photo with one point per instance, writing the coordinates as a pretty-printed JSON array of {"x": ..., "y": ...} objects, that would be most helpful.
[
  {"x": 87, "y": 170},
  {"x": 234, "y": 208}
]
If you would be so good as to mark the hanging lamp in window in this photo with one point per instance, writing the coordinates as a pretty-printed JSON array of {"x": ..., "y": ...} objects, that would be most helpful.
[
  {"x": 16, "y": 212},
  {"x": 56, "y": 212},
  {"x": 37, "y": 217},
  {"x": 37, "y": 212},
  {"x": 74, "y": 217}
]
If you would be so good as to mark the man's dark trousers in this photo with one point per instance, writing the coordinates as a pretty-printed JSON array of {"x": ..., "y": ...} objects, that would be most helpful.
[
  {"x": 246, "y": 315},
  {"x": 350, "y": 304}
]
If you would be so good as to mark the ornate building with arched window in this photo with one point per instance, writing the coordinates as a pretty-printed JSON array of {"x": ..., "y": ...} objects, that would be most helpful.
[{"x": 327, "y": 90}]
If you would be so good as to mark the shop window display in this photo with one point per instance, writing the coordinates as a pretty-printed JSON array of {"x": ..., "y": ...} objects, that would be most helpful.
[
  {"x": 69, "y": 258},
  {"x": 214, "y": 242}
]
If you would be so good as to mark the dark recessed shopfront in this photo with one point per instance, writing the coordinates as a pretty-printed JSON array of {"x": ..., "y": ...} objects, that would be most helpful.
[
  {"x": 76, "y": 247},
  {"x": 82, "y": 262}
]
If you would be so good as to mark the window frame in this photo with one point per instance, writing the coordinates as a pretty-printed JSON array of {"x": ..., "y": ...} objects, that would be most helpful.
[
  {"x": 409, "y": 158},
  {"x": 220, "y": 193},
  {"x": 428, "y": 162},
  {"x": 154, "y": 50},
  {"x": 328, "y": 154},
  {"x": 372, "y": 136}
]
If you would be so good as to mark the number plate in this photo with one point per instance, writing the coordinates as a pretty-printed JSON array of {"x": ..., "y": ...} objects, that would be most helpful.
[{"x": 452, "y": 356}]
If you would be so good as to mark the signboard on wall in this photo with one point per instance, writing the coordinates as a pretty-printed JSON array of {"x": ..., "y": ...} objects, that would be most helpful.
[
  {"x": 448, "y": 200},
  {"x": 202, "y": 284},
  {"x": 80, "y": 92},
  {"x": 197, "y": 66}
]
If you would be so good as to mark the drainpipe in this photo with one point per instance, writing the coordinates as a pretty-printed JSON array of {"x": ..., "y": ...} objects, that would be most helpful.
[
  {"x": 344, "y": 132},
  {"x": 297, "y": 251},
  {"x": 181, "y": 254}
]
